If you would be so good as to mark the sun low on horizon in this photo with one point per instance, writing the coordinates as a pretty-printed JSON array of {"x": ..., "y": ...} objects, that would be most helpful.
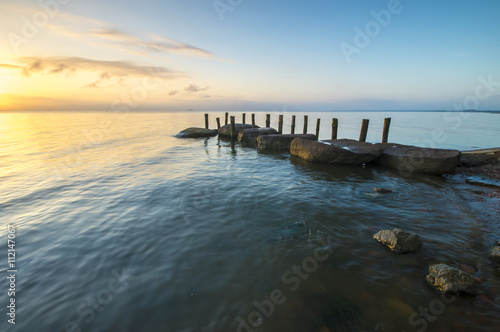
[{"x": 247, "y": 55}]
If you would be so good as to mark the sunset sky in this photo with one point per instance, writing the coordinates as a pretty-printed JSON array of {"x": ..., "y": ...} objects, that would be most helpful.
[{"x": 249, "y": 55}]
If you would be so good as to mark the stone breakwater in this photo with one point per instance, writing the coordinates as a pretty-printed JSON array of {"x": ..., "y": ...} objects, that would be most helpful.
[{"x": 404, "y": 158}]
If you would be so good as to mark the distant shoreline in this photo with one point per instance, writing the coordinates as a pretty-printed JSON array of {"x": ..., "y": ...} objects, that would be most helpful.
[{"x": 249, "y": 111}]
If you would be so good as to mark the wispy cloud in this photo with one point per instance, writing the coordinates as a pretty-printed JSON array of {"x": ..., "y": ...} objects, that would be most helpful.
[
  {"x": 118, "y": 71},
  {"x": 155, "y": 44},
  {"x": 193, "y": 88},
  {"x": 7, "y": 66}
]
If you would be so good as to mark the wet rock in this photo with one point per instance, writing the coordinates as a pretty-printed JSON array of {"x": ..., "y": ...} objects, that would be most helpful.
[
  {"x": 280, "y": 142},
  {"x": 451, "y": 280},
  {"x": 478, "y": 280},
  {"x": 474, "y": 159},
  {"x": 225, "y": 131},
  {"x": 382, "y": 190},
  {"x": 399, "y": 241},
  {"x": 411, "y": 159},
  {"x": 249, "y": 137},
  {"x": 339, "y": 152},
  {"x": 497, "y": 242},
  {"x": 495, "y": 254},
  {"x": 194, "y": 132}
]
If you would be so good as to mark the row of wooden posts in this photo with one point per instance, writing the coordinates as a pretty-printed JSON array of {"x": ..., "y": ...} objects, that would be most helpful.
[{"x": 335, "y": 125}]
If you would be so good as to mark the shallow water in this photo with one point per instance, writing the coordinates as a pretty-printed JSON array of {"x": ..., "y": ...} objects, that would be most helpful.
[{"x": 122, "y": 227}]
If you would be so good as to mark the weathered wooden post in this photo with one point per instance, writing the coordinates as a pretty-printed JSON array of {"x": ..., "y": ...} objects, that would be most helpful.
[
  {"x": 253, "y": 119},
  {"x": 218, "y": 123},
  {"x": 317, "y": 128},
  {"x": 233, "y": 128},
  {"x": 292, "y": 129},
  {"x": 335, "y": 127},
  {"x": 364, "y": 130},
  {"x": 206, "y": 121},
  {"x": 268, "y": 120},
  {"x": 280, "y": 124},
  {"x": 243, "y": 118},
  {"x": 226, "y": 118},
  {"x": 385, "y": 135},
  {"x": 305, "y": 124}
]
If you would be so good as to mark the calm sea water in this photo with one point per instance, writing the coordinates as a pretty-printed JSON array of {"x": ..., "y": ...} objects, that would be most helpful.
[{"x": 122, "y": 227}]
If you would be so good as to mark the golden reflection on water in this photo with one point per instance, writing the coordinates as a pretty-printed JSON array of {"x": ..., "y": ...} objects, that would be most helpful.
[{"x": 61, "y": 144}]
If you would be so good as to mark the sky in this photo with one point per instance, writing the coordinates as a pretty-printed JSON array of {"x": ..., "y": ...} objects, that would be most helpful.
[{"x": 249, "y": 55}]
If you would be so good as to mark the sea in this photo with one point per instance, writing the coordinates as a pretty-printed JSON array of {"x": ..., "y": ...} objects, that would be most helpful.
[{"x": 110, "y": 223}]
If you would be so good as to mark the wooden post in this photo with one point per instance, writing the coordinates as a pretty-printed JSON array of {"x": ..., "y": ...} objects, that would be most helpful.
[
  {"x": 292, "y": 129},
  {"x": 218, "y": 123},
  {"x": 318, "y": 122},
  {"x": 385, "y": 135},
  {"x": 226, "y": 118},
  {"x": 243, "y": 118},
  {"x": 268, "y": 120},
  {"x": 233, "y": 127},
  {"x": 364, "y": 130},
  {"x": 206, "y": 121},
  {"x": 335, "y": 127},
  {"x": 305, "y": 124},
  {"x": 280, "y": 124},
  {"x": 253, "y": 119}
]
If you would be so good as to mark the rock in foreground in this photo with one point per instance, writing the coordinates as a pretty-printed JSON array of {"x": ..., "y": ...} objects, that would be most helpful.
[
  {"x": 194, "y": 132},
  {"x": 495, "y": 254},
  {"x": 339, "y": 152},
  {"x": 411, "y": 159},
  {"x": 280, "y": 142},
  {"x": 399, "y": 241},
  {"x": 225, "y": 131},
  {"x": 249, "y": 137},
  {"x": 451, "y": 280}
]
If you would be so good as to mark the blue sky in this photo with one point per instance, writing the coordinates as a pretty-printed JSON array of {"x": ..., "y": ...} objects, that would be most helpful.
[{"x": 252, "y": 55}]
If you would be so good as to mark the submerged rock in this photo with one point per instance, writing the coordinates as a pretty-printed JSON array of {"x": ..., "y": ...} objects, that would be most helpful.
[
  {"x": 411, "y": 159},
  {"x": 194, "y": 132},
  {"x": 399, "y": 241},
  {"x": 290, "y": 231},
  {"x": 280, "y": 142},
  {"x": 225, "y": 131},
  {"x": 382, "y": 190},
  {"x": 339, "y": 152},
  {"x": 451, "y": 280},
  {"x": 495, "y": 254},
  {"x": 249, "y": 137}
]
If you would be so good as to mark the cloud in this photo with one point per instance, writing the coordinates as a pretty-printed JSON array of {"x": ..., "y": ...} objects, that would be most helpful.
[
  {"x": 173, "y": 92},
  {"x": 118, "y": 71},
  {"x": 156, "y": 44},
  {"x": 7, "y": 66},
  {"x": 193, "y": 88}
]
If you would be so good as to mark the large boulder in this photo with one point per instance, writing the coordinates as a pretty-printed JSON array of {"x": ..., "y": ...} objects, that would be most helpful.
[
  {"x": 280, "y": 142},
  {"x": 341, "y": 152},
  {"x": 411, "y": 159},
  {"x": 249, "y": 137},
  {"x": 194, "y": 132},
  {"x": 399, "y": 241},
  {"x": 225, "y": 131},
  {"x": 451, "y": 280}
]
